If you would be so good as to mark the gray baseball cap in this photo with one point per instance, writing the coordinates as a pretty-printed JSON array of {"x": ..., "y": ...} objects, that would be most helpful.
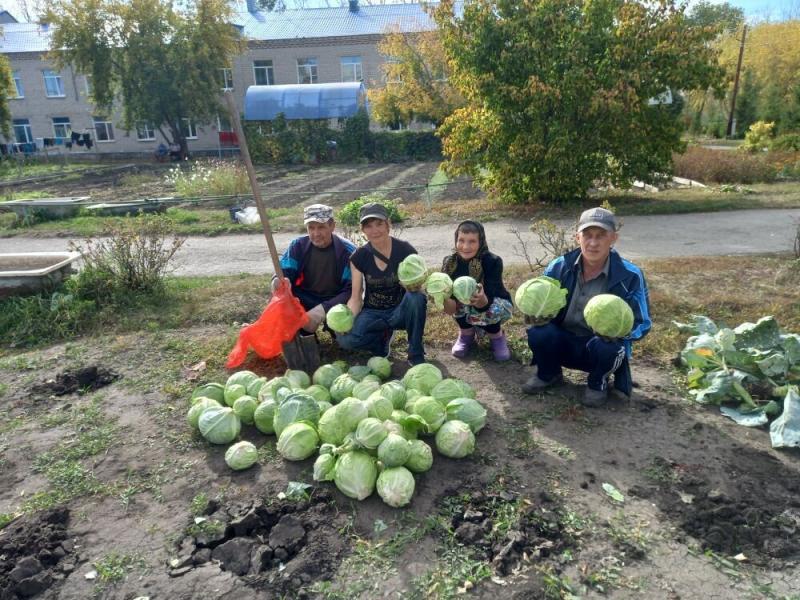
[
  {"x": 373, "y": 210},
  {"x": 317, "y": 213},
  {"x": 598, "y": 217}
]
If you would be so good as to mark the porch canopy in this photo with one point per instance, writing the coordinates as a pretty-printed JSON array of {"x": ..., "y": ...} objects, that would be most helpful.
[{"x": 304, "y": 101}]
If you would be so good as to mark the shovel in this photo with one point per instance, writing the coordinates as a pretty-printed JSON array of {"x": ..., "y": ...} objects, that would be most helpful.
[{"x": 301, "y": 352}]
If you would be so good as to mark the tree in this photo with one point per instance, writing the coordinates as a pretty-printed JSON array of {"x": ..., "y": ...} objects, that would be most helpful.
[
  {"x": 416, "y": 84},
  {"x": 559, "y": 91},
  {"x": 746, "y": 112},
  {"x": 161, "y": 63},
  {"x": 722, "y": 17},
  {"x": 7, "y": 90}
]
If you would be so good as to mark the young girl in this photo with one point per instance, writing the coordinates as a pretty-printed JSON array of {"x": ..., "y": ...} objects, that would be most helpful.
[{"x": 490, "y": 306}]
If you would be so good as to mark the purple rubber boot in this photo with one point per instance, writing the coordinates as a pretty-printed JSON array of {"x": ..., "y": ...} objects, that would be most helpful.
[
  {"x": 500, "y": 348},
  {"x": 463, "y": 343}
]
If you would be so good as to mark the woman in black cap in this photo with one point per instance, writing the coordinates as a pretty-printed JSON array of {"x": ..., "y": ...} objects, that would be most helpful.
[{"x": 378, "y": 300}]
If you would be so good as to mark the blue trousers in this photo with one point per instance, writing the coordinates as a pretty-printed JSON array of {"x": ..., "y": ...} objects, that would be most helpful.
[
  {"x": 373, "y": 327},
  {"x": 554, "y": 347}
]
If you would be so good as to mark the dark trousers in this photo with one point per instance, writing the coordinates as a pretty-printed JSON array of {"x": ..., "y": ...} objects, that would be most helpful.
[
  {"x": 309, "y": 300},
  {"x": 554, "y": 347},
  {"x": 493, "y": 328}
]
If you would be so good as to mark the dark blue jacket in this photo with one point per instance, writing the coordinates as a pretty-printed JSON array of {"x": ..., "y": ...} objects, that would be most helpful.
[
  {"x": 625, "y": 280},
  {"x": 294, "y": 259}
]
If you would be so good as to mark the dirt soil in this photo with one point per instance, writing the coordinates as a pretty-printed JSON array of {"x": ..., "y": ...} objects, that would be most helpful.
[{"x": 709, "y": 509}]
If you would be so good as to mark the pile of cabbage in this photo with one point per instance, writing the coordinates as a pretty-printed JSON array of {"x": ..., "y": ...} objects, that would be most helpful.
[{"x": 369, "y": 434}]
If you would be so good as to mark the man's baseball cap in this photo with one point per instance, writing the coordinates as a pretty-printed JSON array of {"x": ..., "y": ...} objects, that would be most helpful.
[
  {"x": 373, "y": 210},
  {"x": 317, "y": 213},
  {"x": 598, "y": 217}
]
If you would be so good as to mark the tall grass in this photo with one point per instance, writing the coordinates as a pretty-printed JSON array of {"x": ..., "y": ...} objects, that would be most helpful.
[{"x": 209, "y": 178}]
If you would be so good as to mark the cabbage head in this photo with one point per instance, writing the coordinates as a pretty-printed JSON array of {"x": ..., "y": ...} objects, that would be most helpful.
[
  {"x": 421, "y": 457},
  {"x": 241, "y": 456},
  {"x": 264, "y": 416},
  {"x": 245, "y": 408},
  {"x": 370, "y": 433},
  {"x": 319, "y": 393},
  {"x": 324, "y": 467},
  {"x": 215, "y": 391},
  {"x": 352, "y": 411},
  {"x": 255, "y": 386},
  {"x": 432, "y": 412},
  {"x": 200, "y": 405},
  {"x": 398, "y": 415},
  {"x": 340, "y": 318},
  {"x": 298, "y": 407},
  {"x": 439, "y": 286},
  {"x": 412, "y": 270},
  {"x": 341, "y": 365},
  {"x": 332, "y": 427},
  {"x": 395, "y": 486},
  {"x": 234, "y": 392},
  {"x": 378, "y": 406},
  {"x": 342, "y": 387},
  {"x": 541, "y": 297},
  {"x": 219, "y": 425},
  {"x": 364, "y": 389},
  {"x": 464, "y": 288},
  {"x": 283, "y": 394},
  {"x": 380, "y": 366},
  {"x": 243, "y": 378},
  {"x": 323, "y": 406},
  {"x": 298, "y": 441},
  {"x": 355, "y": 474},
  {"x": 450, "y": 389},
  {"x": 455, "y": 439},
  {"x": 299, "y": 380},
  {"x": 358, "y": 372},
  {"x": 467, "y": 410},
  {"x": 422, "y": 377},
  {"x": 325, "y": 375},
  {"x": 394, "y": 391},
  {"x": 273, "y": 385},
  {"x": 394, "y": 450},
  {"x": 371, "y": 377},
  {"x": 609, "y": 315}
]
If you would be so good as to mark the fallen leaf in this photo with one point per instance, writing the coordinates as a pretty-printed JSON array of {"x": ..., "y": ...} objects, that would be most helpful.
[
  {"x": 740, "y": 557},
  {"x": 613, "y": 492},
  {"x": 193, "y": 373},
  {"x": 686, "y": 498},
  {"x": 91, "y": 575}
]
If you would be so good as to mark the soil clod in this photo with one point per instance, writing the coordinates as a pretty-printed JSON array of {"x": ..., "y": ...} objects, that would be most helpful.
[{"x": 85, "y": 379}]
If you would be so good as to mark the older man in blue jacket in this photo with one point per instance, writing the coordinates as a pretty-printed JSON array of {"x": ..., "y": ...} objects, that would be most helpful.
[{"x": 567, "y": 341}]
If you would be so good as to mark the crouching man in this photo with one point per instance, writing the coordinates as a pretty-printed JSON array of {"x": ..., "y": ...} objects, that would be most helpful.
[
  {"x": 318, "y": 266},
  {"x": 567, "y": 341}
]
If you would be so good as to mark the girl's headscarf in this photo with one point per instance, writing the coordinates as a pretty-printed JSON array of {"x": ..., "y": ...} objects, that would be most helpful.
[{"x": 475, "y": 263}]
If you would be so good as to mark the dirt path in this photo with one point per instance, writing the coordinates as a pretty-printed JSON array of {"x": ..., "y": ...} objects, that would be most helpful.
[{"x": 699, "y": 234}]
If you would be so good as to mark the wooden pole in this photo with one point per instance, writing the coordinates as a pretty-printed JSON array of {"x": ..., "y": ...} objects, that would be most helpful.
[
  {"x": 251, "y": 174},
  {"x": 736, "y": 83}
]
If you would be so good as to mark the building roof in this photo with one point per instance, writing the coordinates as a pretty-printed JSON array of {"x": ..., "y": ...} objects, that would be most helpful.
[{"x": 279, "y": 25}]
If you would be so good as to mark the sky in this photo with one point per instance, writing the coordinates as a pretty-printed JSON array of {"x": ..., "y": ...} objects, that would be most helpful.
[{"x": 757, "y": 10}]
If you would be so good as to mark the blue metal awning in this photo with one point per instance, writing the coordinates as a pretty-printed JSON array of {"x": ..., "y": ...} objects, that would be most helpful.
[{"x": 304, "y": 101}]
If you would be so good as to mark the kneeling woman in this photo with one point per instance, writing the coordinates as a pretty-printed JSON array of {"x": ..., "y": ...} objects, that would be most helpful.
[{"x": 379, "y": 302}]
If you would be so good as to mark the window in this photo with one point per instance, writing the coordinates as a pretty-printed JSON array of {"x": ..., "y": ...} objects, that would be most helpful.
[
  {"x": 18, "y": 85},
  {"x": 224, "y": 124},
  {"x": 53, "y": 86},
  {"x": 262, "y": 72},
  {"x": 306, "y": 70},
  {"x": 62, "y": 128},
  {"x": 103, "y": 129},
  {"x": 145, "y": 132},
  {"x": 188, "y": 129},
  {"x": 351, "y": 68},
  {"x": 22, "y": 131},
  {"x": 226, "y": 79}
]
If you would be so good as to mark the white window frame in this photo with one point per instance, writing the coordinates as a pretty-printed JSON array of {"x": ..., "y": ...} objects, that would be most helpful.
[
  {"x": 26, "y": 128},
  {"x": 352, "y": 63},
  {"x": 269, "y": 71},
  {"x": 226, "y": 77},
  {"x": 55, "y": 80},
  {"x": 87, "y": 85},
  {"x": 308, "y": 66},
  {"x": 148, "y": 130},
  {"x": 190, "y": 128},
  {"x": 20, "y": 89},
  {"x": 107, "y": 126},
  {"x": 62, "y": 122},
  {"x": 220, "y": 126}
]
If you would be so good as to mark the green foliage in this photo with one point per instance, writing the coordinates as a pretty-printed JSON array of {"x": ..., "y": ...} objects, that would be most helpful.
[
  {"x": 284, "y": 141},
  {"x": 356, "y": 136},
  {"x": 7, "y": 90},
  {"x": 547, "y": 119},
  {"x": 757, "y": 137},
  {"x": 721, "y": 17},
  {"x": 393, "y": 146},
  {"x": 348, "y": 215},
  {"x": 789, "y": 142},
  {"x": 747, "y": 103},
  {"x": 212, "y": 177}
]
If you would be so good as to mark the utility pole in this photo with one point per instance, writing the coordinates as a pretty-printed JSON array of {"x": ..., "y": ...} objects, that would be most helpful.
[{"x": 736, "y": 83}]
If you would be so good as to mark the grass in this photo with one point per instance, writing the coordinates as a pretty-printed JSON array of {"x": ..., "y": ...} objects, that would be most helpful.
[
  {"x": 11, "y": 170},
  {"x": 115, "y": 567}
]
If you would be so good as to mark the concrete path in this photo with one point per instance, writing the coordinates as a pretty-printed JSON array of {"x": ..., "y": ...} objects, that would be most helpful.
[{"x": 699, "y": 234}]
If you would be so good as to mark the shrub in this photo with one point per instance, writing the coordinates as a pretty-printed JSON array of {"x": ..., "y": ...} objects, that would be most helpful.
[
  {"x": 348, "y": 215},
  {"x": 787, "y": 164},
  {"x": 789, "y": 142},
  {"x": 723, "y": 166},
  {"x": 215, "y": 177},
  {"x": 391, "y": 146},
  {"x": 757, "y": 137}
]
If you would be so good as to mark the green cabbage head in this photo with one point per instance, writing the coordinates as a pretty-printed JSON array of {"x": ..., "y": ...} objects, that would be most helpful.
[
  {"x": 431, "y": 410},
  {"x": 422, "y": 377},
  {"x": 299, "y": 379},
  {"x": 352, "y": 411},
  {"x": 359, "y": 372},
  {"x": 219, "y": 425},
  {"x": 245, "y": 408},
  {"x": 324, "y": 467},
  {"x": 370, "y": 433},
  {"x": 332, "y": 426},
  {"x": 355, "y": 474},
  {"x": 298, "y": 407},
  {"x": 412, "y": 270},
  {"x": 244, "y": 378},
  {"x": 200, "y": 405},
  {"x": 325, "y": 375},
  {"x": 464, "y": 288},
  {"x": 394, "y": 391},
  {"x": 364, "y": 389},
  {"x": 378, "y": 406},
  {"x": 541, "y": 297},
  {"x": 298, "y": 441},
  {"x": 319, "y": 393},
  {"x": 439, "y": 286},
  {"x": 215, "y": 391},
  {"x": 395, "y": 486},
  {"x": 455, "y": 439},
  {"x": 241, "y": 456},
  {"x": 420, "y": 459},
  {"x": 451, "y": 388},
  {"x": 342, "y": 387},
  {"x": 380, "y": 366},
  {"x": 394, "y": 450},
  {"x": 609, "y": 315},
  {"x": 340, "y": 318},
  {"x": 264, "y": 416},
  {"x": 467, "y": 410},
  {"x": 233, "y": 392}
]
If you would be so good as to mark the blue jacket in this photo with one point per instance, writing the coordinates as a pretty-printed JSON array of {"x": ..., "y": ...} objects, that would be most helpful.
[
  {"x": 625, "y": 280},
  {"x": 294, "y": 259}
]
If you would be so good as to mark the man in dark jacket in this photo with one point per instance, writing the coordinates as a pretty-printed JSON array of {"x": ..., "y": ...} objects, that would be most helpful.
[
  {"x": 567, "y": 341},
  {"x": 318, "y": 265}
]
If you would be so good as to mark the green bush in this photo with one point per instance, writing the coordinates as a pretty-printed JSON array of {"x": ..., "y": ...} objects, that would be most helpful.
[
  {"x": 723, "y": 166},
  {"x": 758, "y": 137},
  {"x": 348, "y": 214},
  {"x": 395, "y": 146},
  {"x": 214, "y": 177},
  {"x": 789, "y": 142}
]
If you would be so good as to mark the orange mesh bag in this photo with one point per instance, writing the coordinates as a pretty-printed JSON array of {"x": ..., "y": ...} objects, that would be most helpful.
[{"x": 278, "y": 323}]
